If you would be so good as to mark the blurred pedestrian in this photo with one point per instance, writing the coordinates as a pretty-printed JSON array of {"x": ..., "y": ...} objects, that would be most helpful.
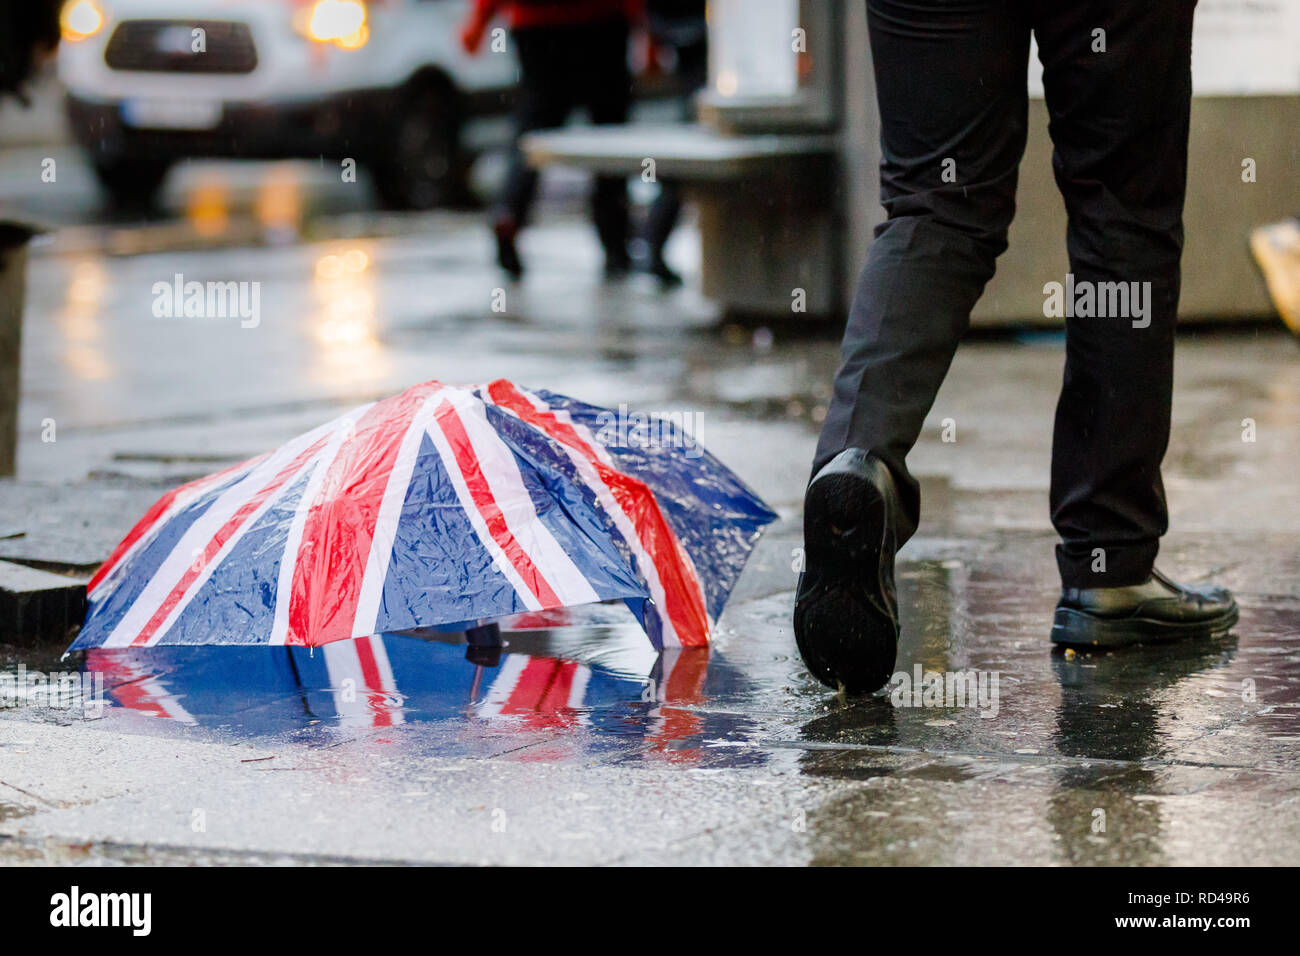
[
  {"x": 679, "y": 28},
  {"x": 951, "y": 87},
  {"x": 571, "y": 53},
  {"x": 29, "y": 33}
]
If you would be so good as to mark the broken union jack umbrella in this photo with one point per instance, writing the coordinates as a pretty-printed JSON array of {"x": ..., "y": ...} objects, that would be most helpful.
[{"x": 443, "y": 507}]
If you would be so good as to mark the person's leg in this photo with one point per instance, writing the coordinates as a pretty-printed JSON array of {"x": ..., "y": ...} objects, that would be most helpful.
[
  {"x": 951, "y": 85},
  {"x": 541, "y": 103},
  {"x": 608, "y": 86},
  {"x": 660, "y": 222},
  {"x": 1118, "y": 81},
  {"x": 665, "y": 211}
]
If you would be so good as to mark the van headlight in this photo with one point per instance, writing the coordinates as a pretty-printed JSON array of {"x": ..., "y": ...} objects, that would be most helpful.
[
  {"x": 80, "y": 19},
  {"x": 341, "y": 22}
]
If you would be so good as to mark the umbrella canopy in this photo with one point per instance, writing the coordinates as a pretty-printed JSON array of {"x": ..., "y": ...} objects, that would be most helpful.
[{"x": 439, "y": 507}]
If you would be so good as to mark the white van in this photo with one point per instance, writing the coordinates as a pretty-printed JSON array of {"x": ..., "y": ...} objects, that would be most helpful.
[{"x": 384, "y": 82}]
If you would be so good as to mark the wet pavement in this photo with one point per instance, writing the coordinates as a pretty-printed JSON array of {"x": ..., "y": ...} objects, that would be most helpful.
[{"x": 579, "y": 744}]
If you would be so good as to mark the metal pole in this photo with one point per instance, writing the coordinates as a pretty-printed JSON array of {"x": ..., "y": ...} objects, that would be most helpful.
[{"x": 13, "y": 269}]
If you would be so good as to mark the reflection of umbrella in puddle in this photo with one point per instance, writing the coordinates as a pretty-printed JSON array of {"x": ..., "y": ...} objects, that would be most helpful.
[
  {"x": 541, "y": 678},
  {"x": 439, "y": 507}
]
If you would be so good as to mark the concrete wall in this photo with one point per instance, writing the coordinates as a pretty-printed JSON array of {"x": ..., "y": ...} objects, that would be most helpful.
[
  {"x": 1220, "y": 278},
  {"x": 860, "y": 148}
]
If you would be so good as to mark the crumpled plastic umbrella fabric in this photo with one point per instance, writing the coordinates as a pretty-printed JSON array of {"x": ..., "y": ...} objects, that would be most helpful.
[{"x": 443, "y": 506}]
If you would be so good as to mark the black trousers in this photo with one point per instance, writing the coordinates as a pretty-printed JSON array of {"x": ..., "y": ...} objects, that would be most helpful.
[
  {"x": 693, "y": 69},
  {"x": 560, "y": 69},
  {"x": 950, "y": 80}
]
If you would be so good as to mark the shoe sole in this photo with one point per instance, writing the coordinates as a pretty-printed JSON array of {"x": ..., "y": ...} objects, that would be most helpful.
[
  {"x": 1074, "y": 628},
  {"x": 846, "y": 639}
]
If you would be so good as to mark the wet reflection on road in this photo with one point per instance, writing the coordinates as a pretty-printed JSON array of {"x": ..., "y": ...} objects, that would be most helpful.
[
  {"x": 592, "y": 670},
  {"x": 591, "y": 686},
  {"x": 1113, "y": 758}
]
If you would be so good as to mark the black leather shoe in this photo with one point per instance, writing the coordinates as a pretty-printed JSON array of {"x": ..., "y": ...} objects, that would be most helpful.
[
  {"x": 846, "y": 608},
  {"x": 662, "y": 271},
  {"x": 504, "y": 231},
  {"x": 1157, "y": 610}
]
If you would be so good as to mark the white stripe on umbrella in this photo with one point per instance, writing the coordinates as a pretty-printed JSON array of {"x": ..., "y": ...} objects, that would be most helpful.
[
  {"x": 137, "y": 689},
  {"x": 578, "y": 688},
  {"x": 504, "y": 691},
  {"x": 499, "y": 559},
  {"x": 225, "y": 540},
  {"x": 501, "y": 471},
  {"x": 627, "y": 528},
  {"x": 390, "y": 515},
  {"x": 645, "y": 561},
  {"x": 372, "y": 698},
  {"x": 182, "y": 498},
  {"x": 498, "y": 694},
  {"x": 165, "y": 701},
  {"x": 289, "y": 558},
  {"x": 200, "y": 534}
]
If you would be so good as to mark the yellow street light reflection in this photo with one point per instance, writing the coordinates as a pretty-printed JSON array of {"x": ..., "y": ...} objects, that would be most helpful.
[
  {"x": 208, "y": 208},
  {"x": 279, "y": 201},
  {"x": 78, "y": 321},
  {"x": 348, "y": 351}
]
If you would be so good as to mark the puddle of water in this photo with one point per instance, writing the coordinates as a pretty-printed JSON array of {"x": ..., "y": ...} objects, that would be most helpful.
[
  {"x": 1157, "y": 703},
  {"x": 586, "y": 685},
  {"x": 588, "y": 679}
]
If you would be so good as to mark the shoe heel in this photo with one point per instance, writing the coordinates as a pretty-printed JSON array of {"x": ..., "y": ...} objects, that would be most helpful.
[
  {"x": 845, "y": 621},
  {"x": 843, "y": 518},
  {"x": 1072, "y": 628}
]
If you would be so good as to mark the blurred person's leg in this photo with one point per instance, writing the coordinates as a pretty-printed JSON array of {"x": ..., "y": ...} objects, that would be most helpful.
[
  {"x": 951, "y": 85},
  {"x": 665, "y": 211},
  {"x": 607, "y": 92},
  {"x": 660, "y": 222},
  {"x": 542, "y": 101},
  {"x": 1119, "y": 124}
]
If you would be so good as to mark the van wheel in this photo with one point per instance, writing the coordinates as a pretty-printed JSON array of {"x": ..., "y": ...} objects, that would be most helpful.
[
  {"x": 132, "y": 184},
  {"x": 422, "y": 167}
]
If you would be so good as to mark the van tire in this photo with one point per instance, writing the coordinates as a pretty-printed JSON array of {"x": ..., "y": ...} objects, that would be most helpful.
[
  {"x": 131, "y": 184},
  {"x": 422, "y": 166}
]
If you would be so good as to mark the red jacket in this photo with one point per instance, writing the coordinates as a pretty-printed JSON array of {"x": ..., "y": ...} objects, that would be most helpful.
[{"x": 553, "y": 13}]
